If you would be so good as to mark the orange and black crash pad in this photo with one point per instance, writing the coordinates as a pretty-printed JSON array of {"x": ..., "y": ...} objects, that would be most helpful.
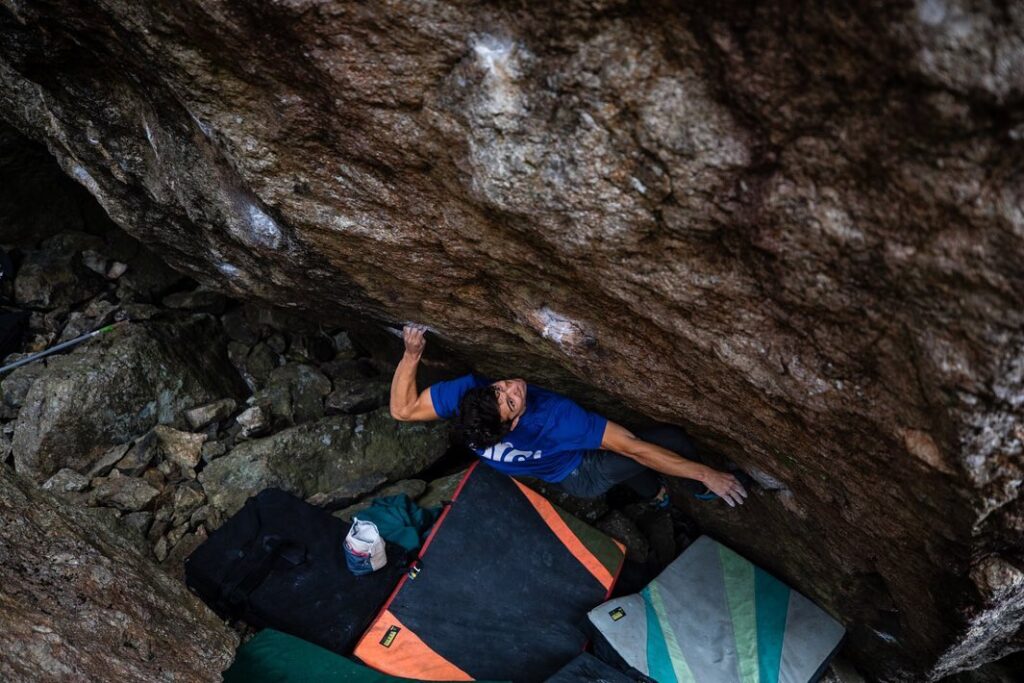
[{"x": 500, "y": 589}]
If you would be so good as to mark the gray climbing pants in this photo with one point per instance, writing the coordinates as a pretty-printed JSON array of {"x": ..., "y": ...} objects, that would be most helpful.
[{"x": 601, "y": 470}]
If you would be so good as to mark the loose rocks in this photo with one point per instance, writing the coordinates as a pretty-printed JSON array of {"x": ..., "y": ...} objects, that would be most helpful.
[
  {"x": 321, "y": 456},
  {"x": 115, "y": 388}
]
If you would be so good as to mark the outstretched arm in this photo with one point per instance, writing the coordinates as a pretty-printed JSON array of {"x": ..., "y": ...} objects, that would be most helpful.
[
  {"x": 406, "y": 404},
  {"x": 620, "y": 440}
]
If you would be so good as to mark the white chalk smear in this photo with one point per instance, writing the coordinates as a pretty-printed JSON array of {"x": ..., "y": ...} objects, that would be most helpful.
[
  {"x": 262, "y": 229},
  {"x": 86, "y": 179},
  {"x": 555, "y": 327},
  {"x": 229, "y": 269}
]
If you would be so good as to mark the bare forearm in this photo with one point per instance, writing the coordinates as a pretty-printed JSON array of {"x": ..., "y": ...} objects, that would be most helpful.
[
  {"x": 403, "y": 385},
  {"x": 665, "y": 461}
]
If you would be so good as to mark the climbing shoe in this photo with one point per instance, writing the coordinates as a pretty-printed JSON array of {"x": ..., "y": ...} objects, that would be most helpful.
[
  {"x": 706, "y": 494},
  {"x": 660, "y": 501}
]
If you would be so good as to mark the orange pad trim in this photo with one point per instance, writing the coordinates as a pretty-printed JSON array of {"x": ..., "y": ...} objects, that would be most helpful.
[
  {"x": 401, "y": 653},
  {"x": 554, "y": 520}
]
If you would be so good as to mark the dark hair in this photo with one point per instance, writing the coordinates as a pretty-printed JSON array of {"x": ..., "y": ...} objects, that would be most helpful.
[{"x": 478, "y": 423}]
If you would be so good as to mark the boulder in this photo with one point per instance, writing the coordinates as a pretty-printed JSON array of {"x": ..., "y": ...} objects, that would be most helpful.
[
  {"x": 95, "y": 261},
  {"x": 66, "y": 481},
  {"x": 212, "y": 450},
  {"x": 15, "y": 384},
  {"x": 79, "y": 603},
  {"x": 55, "y": 275},
  {"x": 109, "y": 460},
  {"x": 311, "y": 348},
  {"x": 321, "y": 456},
  {"x": 184, "y": 449},
  {"x": 138, "y": 521},
  {"x": 295, "y": 393},
  {"x": 142, "y": 453},
  {"x": 203, "y": 415},
  {"x": 440, "y": 490},
  {"x": 342, "y": 370},
  {"x": 124, "y": 493},
  {"x": 81, "y": 322},
  {"x": 115, "y": 387},
  {"x": 116, "y": 270},
  {"x": 414, "y": 488},
  {"x": 188, "y": 498},
  {"x": 254, "y": 421},
  {"x": 174, "y": 561},
  {"x": 358, "y": 396},
  {"x": 343, "y": 345},
  {"x": 347, "y": 493}
]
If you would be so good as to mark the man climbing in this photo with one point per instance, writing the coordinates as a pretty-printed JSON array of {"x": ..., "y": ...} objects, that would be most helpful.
[{"x": 520, "y": 429}]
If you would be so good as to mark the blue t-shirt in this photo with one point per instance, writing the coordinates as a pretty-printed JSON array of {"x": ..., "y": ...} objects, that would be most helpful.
[{"x": 550, "y": 439}]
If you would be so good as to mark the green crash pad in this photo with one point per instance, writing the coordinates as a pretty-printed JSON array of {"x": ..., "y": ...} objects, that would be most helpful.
[{"x": 275, "y": 657}]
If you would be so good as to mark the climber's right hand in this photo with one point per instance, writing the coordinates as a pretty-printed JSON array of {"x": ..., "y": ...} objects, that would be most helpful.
[{"x": 415, "y": 342}]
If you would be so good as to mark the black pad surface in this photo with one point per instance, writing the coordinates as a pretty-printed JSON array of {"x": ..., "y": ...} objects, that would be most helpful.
[{"x": 279, "y": 563}]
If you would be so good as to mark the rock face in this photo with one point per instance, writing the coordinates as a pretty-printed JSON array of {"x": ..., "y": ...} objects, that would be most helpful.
[
  {"x": 321, "y": 456},
  {"x": 78, "y": 603},
  {"x": 115, "y": 388},
  {"x": 793, "y": 227}
]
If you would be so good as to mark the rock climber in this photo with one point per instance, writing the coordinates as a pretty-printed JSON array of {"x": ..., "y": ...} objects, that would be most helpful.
[{"x": 521, "y": 429}]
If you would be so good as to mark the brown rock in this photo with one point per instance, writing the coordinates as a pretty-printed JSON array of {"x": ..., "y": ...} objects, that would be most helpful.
[
  {"x": 80, "y": 604},
  {"x": 184, "y": 449},
  {"x": 124, "y": 493},
  {"x": 175, "y": 535},
  {"x": 65, "y": 481},
  {"x": 212, "y": 450},
  {"x": 254, "y": 421},
  {"x": 141, "y": 454},
  {"x": 187, "y": 498},
  {"x": 347, "y": 493},
  {"x": 413, "y": 488},
  {"x": 211, "y": 412},
  {"x": 111, "y": 457},
  {"x": 174, "y": 562},
  {"x": 322, "y": 456},
  {"x": 440, "y": 490},
  {"x": 155, "y": 478},
  {"x": 160, "y": 549},
  {"x": 116, "y": 387},
  {"x": 358, "y": 397}
]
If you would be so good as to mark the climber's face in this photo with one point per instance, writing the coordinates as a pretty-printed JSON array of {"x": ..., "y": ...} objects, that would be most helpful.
[{"x": 511, "y": 395}]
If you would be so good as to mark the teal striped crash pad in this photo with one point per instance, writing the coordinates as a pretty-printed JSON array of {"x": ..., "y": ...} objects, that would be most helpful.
[{"x": 713, "y": 617}]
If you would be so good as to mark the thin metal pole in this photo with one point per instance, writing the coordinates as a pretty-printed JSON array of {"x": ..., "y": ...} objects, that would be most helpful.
[{"x": 59, "y": 347}]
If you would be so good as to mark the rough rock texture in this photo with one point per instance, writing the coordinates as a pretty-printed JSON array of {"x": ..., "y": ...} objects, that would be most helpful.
[
  {"x": 78, "y": 603},
  {"x": 793, "y": 227},
  {"x": 116, "y": 387},
  {"x": 322, "y": 456}
]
